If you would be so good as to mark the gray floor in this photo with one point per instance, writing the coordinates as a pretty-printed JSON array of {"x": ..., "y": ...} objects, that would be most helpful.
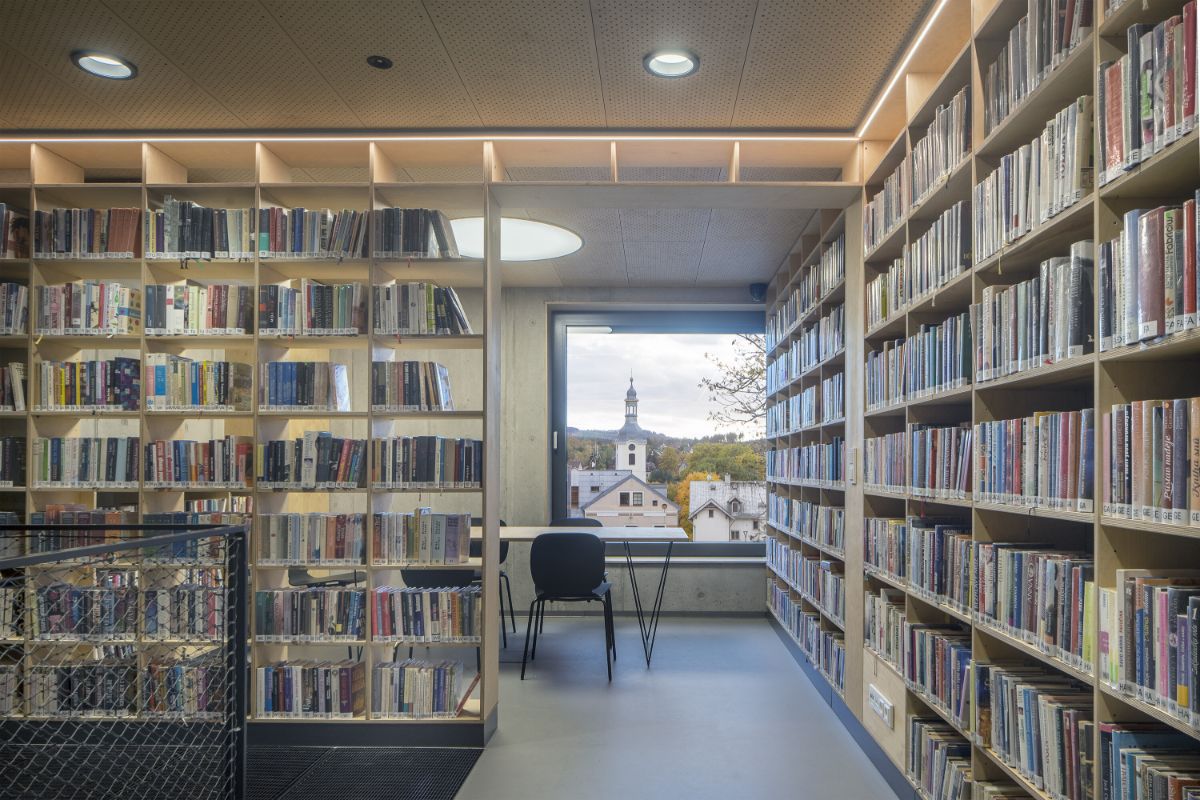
[{"x": 724, "y": 712}]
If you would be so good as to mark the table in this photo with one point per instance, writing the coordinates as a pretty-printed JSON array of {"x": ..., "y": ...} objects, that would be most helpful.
[{"x": 647, "y": 622}]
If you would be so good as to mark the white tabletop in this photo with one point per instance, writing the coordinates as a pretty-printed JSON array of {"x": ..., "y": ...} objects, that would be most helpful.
[{"x": 527, "y": 533}]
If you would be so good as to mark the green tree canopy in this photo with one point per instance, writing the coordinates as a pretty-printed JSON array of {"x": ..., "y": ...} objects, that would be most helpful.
[{"x": 737, "y": 460}]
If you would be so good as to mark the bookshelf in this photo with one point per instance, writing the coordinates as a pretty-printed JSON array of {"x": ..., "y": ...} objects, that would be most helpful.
[
  {"x": 340, "y": 174},
  {"x": 965, "y": 38}
]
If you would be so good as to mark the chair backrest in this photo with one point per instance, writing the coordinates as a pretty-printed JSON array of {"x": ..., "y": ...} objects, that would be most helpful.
[
  {"x": 576, "y": 522},
  {"x": 476, "y": 547},
  {"x": 567, "y": 564}
]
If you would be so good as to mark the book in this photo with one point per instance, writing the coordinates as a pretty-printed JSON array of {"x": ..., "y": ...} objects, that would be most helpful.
[
  {"x": 189, "y": 308},
  {"x": 408, "y": 615},
  {"x": 410, "y": 386},
  {"x": 402, "y": 233},
  {"x": 88, "y": 308},
  {"x": 311, "y": 690},
  {"x": 317, "y": 460},
  {"x": 1159, "y": 485},
  {"x": 183, "y": 229},
  {"x": 177, "y": 383},
  {"x": 305, "y": 307},
  {"x": 418, "y": 309},
  {"x": 14, "y": 232},
  {"x": 936, "y": 358},
  {"x": 227, "y": 463},
  {"x": 113, "y": 384},
  {"x": 320, "y": 613},
  {"x": 413, "y": 689},
  {"x": 303, "y": 233},
  {"x": 1041, "y": 460},
  {"x": 396, "y": 537},
  {"x": 945, "y": 145},
  {"x": 938, "y": 759},
  {"x": 814, "y": 464},
  {"x": 85, "y": 462},
  {"x": 431, "y": 462},
  {"x": 86, "y": 233},
  {"x": 303, "y": 386},
  {"x": 311, "y": 538},
  {"x": 884, "y": 212}
]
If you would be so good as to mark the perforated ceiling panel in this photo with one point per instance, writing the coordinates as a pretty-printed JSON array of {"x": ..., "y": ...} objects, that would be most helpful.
[
  {"x": 717, "y": 31},
  {"x": 238, "y": 54},
  {"x": 597, "y": 264},
  {"x": 420, "y": 90},
  {"x": 821, "y": 60},
  {"x": 663, "y": 263},
  {"x": 525, "y": 63},
  {"x": 47, "y": 39}
]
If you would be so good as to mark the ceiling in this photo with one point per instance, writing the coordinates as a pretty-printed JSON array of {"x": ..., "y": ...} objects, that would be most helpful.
[{"x": 560, "y": 64}]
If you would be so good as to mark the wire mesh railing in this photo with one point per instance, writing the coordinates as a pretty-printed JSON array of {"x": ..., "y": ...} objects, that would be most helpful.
[{"x": 122, "y": 661}]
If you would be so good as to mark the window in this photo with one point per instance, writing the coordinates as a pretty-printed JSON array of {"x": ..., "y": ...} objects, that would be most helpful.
[
  {"x": 632, "y": 447},
  {"x": 632, "y": 459},
  {"x": 637, "y": 498},
  {"x": 710, "y": 513},
  {"x": 755, "y": 524},
  {"x": 624, "y": 498},
  {"x": 734, "y": 536},
  {"x": 595, "y": 490},
  {"x": 654, "y": 503},
  {"x": 735, "y": 505},
  {"x": 574, "y": 495}
]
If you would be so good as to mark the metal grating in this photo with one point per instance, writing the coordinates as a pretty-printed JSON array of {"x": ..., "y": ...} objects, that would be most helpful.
[{"x": 365, "y": 773}]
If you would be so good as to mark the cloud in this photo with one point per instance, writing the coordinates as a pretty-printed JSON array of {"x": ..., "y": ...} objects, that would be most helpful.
[{"x": 666, "y": 368}]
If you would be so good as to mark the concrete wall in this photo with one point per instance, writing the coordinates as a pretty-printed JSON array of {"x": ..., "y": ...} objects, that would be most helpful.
[{"x": 525, "y": 430}]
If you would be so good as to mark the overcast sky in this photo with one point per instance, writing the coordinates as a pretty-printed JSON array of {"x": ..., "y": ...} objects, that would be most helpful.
[{"x": 667, "y": 369}]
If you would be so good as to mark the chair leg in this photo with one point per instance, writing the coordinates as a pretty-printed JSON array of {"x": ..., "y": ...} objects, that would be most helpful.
[
  {"x": 542, "y": 619},
  {"x": 608, "y": 638},
  {"x": 612, "y": 623},
  {"x": 541, "y": 605},
  {"x": 511, "y": 609},
  {"x": 528, "y": 628},
  {"x": 503, "y": 627}
]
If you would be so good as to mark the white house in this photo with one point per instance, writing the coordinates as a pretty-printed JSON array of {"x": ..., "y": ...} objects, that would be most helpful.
[
  {"x": 727, "y": 511},
  {"x": 632, "y": 501}
]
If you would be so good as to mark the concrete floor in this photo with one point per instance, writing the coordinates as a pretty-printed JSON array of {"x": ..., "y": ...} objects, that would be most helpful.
[{"x": 724, "y": 712}]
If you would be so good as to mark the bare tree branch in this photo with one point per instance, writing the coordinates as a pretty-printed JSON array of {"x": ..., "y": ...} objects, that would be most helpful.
[{"x": 740, "y": 390}]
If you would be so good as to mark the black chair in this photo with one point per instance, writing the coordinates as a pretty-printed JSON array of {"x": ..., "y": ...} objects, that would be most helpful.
[
  {"x": 440, "y": 579},
  {"x": 477, "y": 552},
  {"x": 568, "y": 567},
  {"x": 576, "y": 522}
]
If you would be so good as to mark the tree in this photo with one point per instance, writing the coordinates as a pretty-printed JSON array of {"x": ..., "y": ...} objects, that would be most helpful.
[
  {"x": 740, "y": 392},
  {"x": 739, "y": 461},
  {"x": 667, "y": 464},
  {"x": 590, "y": 453},
  {"x": 681, "y": 494}
]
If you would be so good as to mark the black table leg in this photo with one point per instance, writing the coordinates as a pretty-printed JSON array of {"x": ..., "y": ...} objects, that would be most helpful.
[{"x": 648, "y": 629}]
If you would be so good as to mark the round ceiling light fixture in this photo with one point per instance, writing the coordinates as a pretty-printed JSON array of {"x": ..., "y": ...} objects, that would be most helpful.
[
  {"x": 379, "y": 62},
  {"x": 671, "y": 63},
  {"x": 520, "y": 239},
  {"x": 104, "y": 65}
]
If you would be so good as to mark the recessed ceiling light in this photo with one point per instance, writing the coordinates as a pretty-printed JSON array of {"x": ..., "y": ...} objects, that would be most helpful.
[
  {"x": 520, "y": 239},
  {"x": 671, "y": 63},
  {"x": 103, "y": 65},
  {"x": 379, "y": 62}
]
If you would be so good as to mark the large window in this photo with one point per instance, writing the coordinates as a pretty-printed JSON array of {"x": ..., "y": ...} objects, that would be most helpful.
[{"x": 628, "y": 397}]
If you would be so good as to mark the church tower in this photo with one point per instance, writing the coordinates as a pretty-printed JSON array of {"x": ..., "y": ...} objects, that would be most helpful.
[{"x": 631, "y": 439}]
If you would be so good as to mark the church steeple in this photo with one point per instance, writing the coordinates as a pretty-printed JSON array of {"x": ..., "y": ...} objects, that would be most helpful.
[
  {"x": 631, "y": 404},
  {"x": 631, "y": 439}
]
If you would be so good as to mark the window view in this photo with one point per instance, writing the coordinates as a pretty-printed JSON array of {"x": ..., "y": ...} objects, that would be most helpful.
[{"x": 667, "y": 429}]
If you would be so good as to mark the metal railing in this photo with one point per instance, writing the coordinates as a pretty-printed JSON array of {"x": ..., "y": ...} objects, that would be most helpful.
[{"x": 123, "y": 661}]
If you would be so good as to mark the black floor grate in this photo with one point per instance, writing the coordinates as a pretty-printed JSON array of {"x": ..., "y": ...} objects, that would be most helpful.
[{"x": 365, "y": 773}]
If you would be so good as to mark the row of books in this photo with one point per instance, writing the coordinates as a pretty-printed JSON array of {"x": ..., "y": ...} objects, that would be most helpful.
[
  {"x": 108, "y": 461},
  {"x": 1150, "y": 449},
  {"x": 186, "y": 229},
  {"x": 14, "y": 232},
  {"x": 784, "y": 560},
  {"x": 1144, "y": 761},
  {"x": 417, "y": 308},
  {"x": 312, "y": 614},
  {"x": 825, "y": 649},
  {"x": 193, "y": 687},
  {"x": 823, "y": 583},
  {"x": 311, "y": 233},
  {"x": 305, "y": 307},
  {"x": 89, "y": 307},
  {"x": 81, "y": 689},
  {"x": 1038, "y": 44},
  {"x": 316, "y": 460},
  {"x": 176, "y": 383},
  {"x": 412, "y": 615},
  {"x": 946, "y": 143},
  {"x": 413, "y": 689},
  {"x": 885, "y": 211},
  {"x": 312, "y": 538},
  {"x": 217, "y": 309},
  {"x": 934, "y": 359},
  {"x": 884, "y": 618},
  {"x": 185, "y": 611},
  {"x": 113, "y": 384},
  {"x": 13, "y": 386},
  {"x": 787, "y": 610},
  {"x": 940, "y": 254},
  {"x": 14, "y": 308},
  {"x": 940, "y": 561},
  {"x": 939, "y": 759},
  {"x": 1036, "y": 182},
  {"x": 1149, "y": 639},
  {"x": 84, "y": 233},
  {"x": 833, "y": 398},
  {"x": 1047, "y": 459},
  {"x": 1038, "y": 723},
  {"x": 1044, "y": 320},
  {"x": 106, "y": 611},
  {"x": 825, "y": 525},
  {"x": 1148, "y": 95},
  {"x": 310, "y": 689},
  {"x": 821, "y": 464},
  {"x": 785, "y": 368},
  {"x": 887, "y": 293},
  {"x": 410, "y": 386},
  {"x": 225, "y": 462},
  {"x": 936, "y": 663},
  {"x": 822, "y": 340},
  {"x": 925, "y": 460},
  {"x": 1042, "y": 596},
  {"x": 420, "y": 537},
  {"x": 885, "y": 546},
  {"x": 303, "y": 385},
  {"x": 413, "y": 233},
  {"x": 48, "y": 540},
  {"x": 411, "y": 462},
  {"x": 1148, "y": 286}
]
